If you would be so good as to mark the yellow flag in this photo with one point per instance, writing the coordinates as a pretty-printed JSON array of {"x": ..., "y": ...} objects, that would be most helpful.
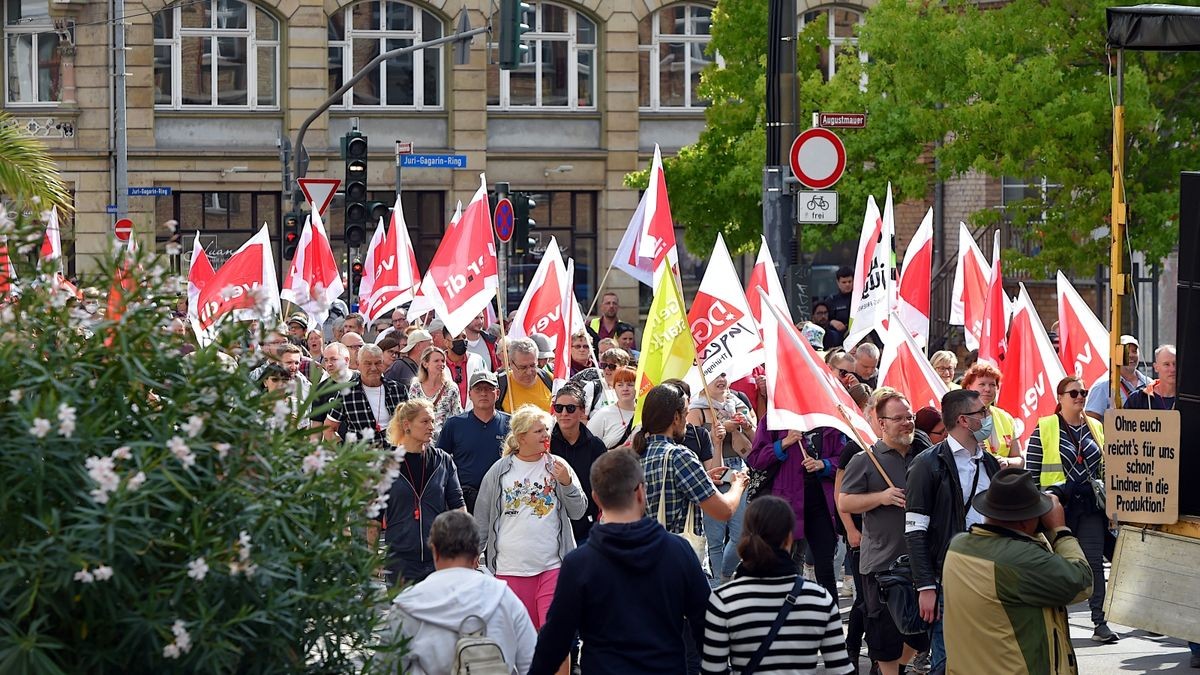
[{"x": 667, "y": 347}]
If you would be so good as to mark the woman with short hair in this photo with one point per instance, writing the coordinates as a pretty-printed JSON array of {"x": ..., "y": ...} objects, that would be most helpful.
[
  {"x": 613, "y": 424},
  {"x": 945, "y": 364},
  {"x": 985, "y": 378}
]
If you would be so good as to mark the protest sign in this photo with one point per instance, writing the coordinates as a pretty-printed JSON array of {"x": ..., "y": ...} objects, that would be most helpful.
[{"x": 1141, "y": 465}]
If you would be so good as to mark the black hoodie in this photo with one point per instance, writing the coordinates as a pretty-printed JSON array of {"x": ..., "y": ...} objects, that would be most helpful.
[{"x": 626, "y": 591}]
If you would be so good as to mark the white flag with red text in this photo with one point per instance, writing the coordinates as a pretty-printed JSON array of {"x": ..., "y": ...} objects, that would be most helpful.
[
  {"x": 244, "y": 288},
  {"x": 916, "y": 281},
  {"x": 1082, "y": 339},
  {"x": 801, "y": 392},
  {"x": 995, "y": 313},
  {"x": 903, "y": 367},
  {"x": 972, "y": 273},
  {"x": 726, "y": 335},
  {"x": 1031, "y": 370},
  {"x": 764, "y": 276},
  {"x": 873, "y": 294},
  {"x": 313, "y": 282},
  {"x": 657, "y": 239},
  {"x": 463, "y": 276},
  {"x": 394, "y": 274}
]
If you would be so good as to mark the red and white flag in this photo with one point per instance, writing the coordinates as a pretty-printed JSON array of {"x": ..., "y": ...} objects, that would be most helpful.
[
  {"x": 903, "y": 367},
  {"x": 314, "y": 281},
  {"x": 1082, "y": 340},
  {"x": 52, "y": 240},
  {"x": 1031, "y": 370},
  {"x": 7, "y": 271},
  {"x": 244, "y": 288},
  {"x": 968, "y": 296},
  {"x": 540, "y": 310},
  {"x": 657, "y": 238},
  {"x": 626, "y": 258},
  {"x": 873, "y": 295},
  {"x": 367, "y": 282},
  {"x": 200, "y": 271},
  {"x": 726, "y": 335},
  {"x": 420, "y": 305},
  {"x": 995, "y": 314},
  {"x": 393, "y": 269},
  {"x": 916, "y": 280},
  {"x": 763, "y": 276},
  {"x": 801, "y": 392},
  {"x": 463, "y": 276},
  {"x": 569, "y": 313}
]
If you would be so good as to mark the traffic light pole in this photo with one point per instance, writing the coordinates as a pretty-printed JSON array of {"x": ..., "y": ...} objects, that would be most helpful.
[{"x": 301, "y": 169}]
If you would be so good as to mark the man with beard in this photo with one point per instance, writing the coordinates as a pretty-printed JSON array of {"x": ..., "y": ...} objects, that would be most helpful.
[
  {"x": 607, "y": 325},
  {"x": 481, "y": 343}
]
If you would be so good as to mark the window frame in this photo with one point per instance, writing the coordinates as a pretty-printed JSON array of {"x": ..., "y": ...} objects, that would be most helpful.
[
  {"x": 253, "y": 44},
  {"x": 533, "y": 39},
  {"x": 35, "y": 27},
  {"x": 657, "y": 39},
  {"x": 383, "y": 36},
  {"x": 835, "y": 41}
]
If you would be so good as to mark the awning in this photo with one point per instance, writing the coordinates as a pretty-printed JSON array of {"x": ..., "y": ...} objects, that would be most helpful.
[{"x": 1170, "y": 28}]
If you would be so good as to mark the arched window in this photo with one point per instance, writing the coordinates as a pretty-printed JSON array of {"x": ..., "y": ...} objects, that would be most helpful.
[
  {"x": 558, "y": 71},
  {"x": 363, "y": 31},
  {"x": 671, "y": 53},
  {"x": 842, "y": 24},
  {"x": 31, "y": 55},
  {"x": 216, "y": 53}
]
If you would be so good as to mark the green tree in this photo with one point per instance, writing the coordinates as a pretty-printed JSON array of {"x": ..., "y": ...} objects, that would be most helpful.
[
  {"x": 26, "y": 170},
  {"x": 1020, "y": 90}
]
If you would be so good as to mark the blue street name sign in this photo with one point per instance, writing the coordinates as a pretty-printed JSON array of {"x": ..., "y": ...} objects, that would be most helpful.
[
  {"x": 153, "y": 191},
  {"x": 111, "y": 208},
  {"x": 434, "y": 161}
]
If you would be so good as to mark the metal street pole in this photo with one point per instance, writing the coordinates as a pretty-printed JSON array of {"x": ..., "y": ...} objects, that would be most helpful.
[
  {"x": 779, "y": 228},
  {"x": 120, "y": 139}
]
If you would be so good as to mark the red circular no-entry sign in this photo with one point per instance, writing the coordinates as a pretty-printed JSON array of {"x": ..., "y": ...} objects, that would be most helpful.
[
  {"x": 818, "y": 158},
  {"x": 123, "y": 229}
]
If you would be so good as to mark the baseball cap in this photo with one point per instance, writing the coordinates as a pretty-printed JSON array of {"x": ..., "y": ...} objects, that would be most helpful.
[
  {"x": 543, "y": 345},
  {"x": 418, "y": 335},
  {"x": 434, "y": 326},
  {"x": 1130, "y": 340},
  {"x": 482, "y": 376}
]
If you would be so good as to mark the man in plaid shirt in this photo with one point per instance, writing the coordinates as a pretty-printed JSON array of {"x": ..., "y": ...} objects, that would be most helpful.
[
  {"x": 365, "y": 408},
  {"x": 673, "y": 473}
]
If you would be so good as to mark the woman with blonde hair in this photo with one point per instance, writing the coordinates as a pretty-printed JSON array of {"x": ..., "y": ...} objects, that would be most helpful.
[
  {"x": 945, "y": 363},
  {"x": 427, "y": 485},
  {"x": 524, "y": 511},
  {"x": 433, "y": 384}
]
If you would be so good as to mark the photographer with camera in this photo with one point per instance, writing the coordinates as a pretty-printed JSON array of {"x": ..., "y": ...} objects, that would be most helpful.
[
  {"x": 1008, "y": 583},
  {"x": 1066, "y": 454}
]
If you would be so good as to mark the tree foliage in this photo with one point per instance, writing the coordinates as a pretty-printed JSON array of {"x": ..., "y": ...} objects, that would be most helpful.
[
  {"x": 1020, "y": 90},
  {"x": 26, "y": 170}
]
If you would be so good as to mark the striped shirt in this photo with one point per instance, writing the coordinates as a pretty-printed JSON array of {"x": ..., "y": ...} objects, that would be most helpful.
[
  {"x": 1082, "y": 457},
  {"x": 741, "y": 613}
]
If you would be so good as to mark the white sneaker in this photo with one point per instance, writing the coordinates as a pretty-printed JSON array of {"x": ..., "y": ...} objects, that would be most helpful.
[
  {"x": 810, "y": 572},
  {"x": 847, "y": 590}
]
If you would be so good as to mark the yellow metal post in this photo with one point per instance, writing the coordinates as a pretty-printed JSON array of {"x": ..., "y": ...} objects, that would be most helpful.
[{"x": 1117, "y": 275}]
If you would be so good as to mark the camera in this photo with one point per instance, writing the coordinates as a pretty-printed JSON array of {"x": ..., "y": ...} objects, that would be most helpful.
[{"x": 1060, "y": 490}]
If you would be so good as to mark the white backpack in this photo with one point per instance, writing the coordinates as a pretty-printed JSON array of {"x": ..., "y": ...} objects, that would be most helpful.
[{"x": 477, "y": 654}]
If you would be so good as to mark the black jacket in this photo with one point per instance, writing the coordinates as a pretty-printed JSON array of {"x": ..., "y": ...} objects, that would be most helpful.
[
  {"x": 626, "y": 593},
  {"x": 580, "y": 455},
  {"x": 933, "y": 490}
]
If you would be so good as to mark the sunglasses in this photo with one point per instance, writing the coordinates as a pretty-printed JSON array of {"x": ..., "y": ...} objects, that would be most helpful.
[
  {"x": 608, "y": 366},
  {"x": 568, "y": 408},
  {"x": 1075, "y": 393}
]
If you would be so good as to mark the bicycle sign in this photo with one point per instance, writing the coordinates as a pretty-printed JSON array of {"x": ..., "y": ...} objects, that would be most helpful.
[{"x": 817, "y": 207}]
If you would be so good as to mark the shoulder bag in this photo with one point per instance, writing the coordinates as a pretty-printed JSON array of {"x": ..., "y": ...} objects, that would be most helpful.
[
  {"x": 698, "y": 542},
  {"x": 897, "y": 591},
  {"x": 789, "y": 601}
]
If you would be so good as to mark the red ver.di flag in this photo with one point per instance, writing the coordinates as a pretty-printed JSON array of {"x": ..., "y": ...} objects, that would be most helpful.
[
  {"x": 313, "y": 282},
  {"x": 903, "y": 367},
  {"x": 245, "y": 287},
  {"x": 540, "y": 309},
  {"x": 726, "y": 336},
  {"x": 1030, "y": 372},
  {"x": 657, "y": 240},
  {"x": 463, "y": 277},
  {"x": 1082, "y": 340},
  {"x": 200, "y": 272},
  {"x": 968, "y": 298},
  {"x": 916, "y": 279},
  {"x": 763, "y": 282},
  {"x": 394, "y": 278}
]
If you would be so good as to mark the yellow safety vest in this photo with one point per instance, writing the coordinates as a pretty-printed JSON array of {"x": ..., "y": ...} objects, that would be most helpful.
[
  {"x": 1052, "y": 468},
  {"x": 1005, "y": 429}
]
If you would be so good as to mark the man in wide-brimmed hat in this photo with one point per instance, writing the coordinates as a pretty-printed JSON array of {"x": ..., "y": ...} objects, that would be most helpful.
[{"x": 1008, "y": 582}]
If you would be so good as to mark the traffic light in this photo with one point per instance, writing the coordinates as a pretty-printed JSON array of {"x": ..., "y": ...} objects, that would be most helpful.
[
  {"x": 522, "y": 203},
  {"x": 377, "y": 210},
  {"x": 291, "y": 234},
  {"x": 512, "y": 29},
  {"x": 356, "y": 272},
  {"x": 354, "y": 152}
]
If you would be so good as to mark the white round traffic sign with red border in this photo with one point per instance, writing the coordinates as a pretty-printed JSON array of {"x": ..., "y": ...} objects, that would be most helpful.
[
  {"x": 123, "y": 229},
  {"x": 818, "y": 158}
]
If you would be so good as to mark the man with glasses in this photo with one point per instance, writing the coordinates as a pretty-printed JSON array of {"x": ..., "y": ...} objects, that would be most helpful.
[
  {"x": 942, "y": 481},
  {"x": 881, "y": 501},
  {"x": 571, "y": 440},
  {"x": 524, "y": 383},
  {"x": 354, "y": 343}
]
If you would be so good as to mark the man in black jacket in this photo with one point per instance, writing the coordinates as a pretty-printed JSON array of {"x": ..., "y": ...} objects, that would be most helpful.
[
  {"x": 628, "y": 556},
  {"x": 941, "y": 483}
]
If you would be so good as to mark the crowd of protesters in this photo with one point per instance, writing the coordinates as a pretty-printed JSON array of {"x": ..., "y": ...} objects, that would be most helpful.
[{"x": 700, "y": 539}]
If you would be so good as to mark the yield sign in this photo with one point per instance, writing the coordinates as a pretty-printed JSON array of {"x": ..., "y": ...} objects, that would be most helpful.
[{"x": 319, "y": 191}]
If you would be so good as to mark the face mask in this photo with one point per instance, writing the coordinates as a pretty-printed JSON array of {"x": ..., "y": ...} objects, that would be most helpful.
[
  {"x": 984, "y": 432},
  {"x": 459, "y": 347}
]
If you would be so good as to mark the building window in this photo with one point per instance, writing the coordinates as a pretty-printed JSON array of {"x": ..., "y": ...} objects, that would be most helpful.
[
  {"x": 841, "y": 34},
  {"x": 216, "y": 53},
  {"x": 1030, "y": 197},
  {"x": 363, "y": 31},
  {"x": 31, "y": 55},
  {"x": 569, "y": 217},
  {"x": 559, "y": 69},
  {"x": 225, "y": 220},
  {"x": 671, "y": 55}
]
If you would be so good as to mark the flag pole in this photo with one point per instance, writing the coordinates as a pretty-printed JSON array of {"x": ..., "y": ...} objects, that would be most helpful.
[{"x": 599, "y": 288}]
